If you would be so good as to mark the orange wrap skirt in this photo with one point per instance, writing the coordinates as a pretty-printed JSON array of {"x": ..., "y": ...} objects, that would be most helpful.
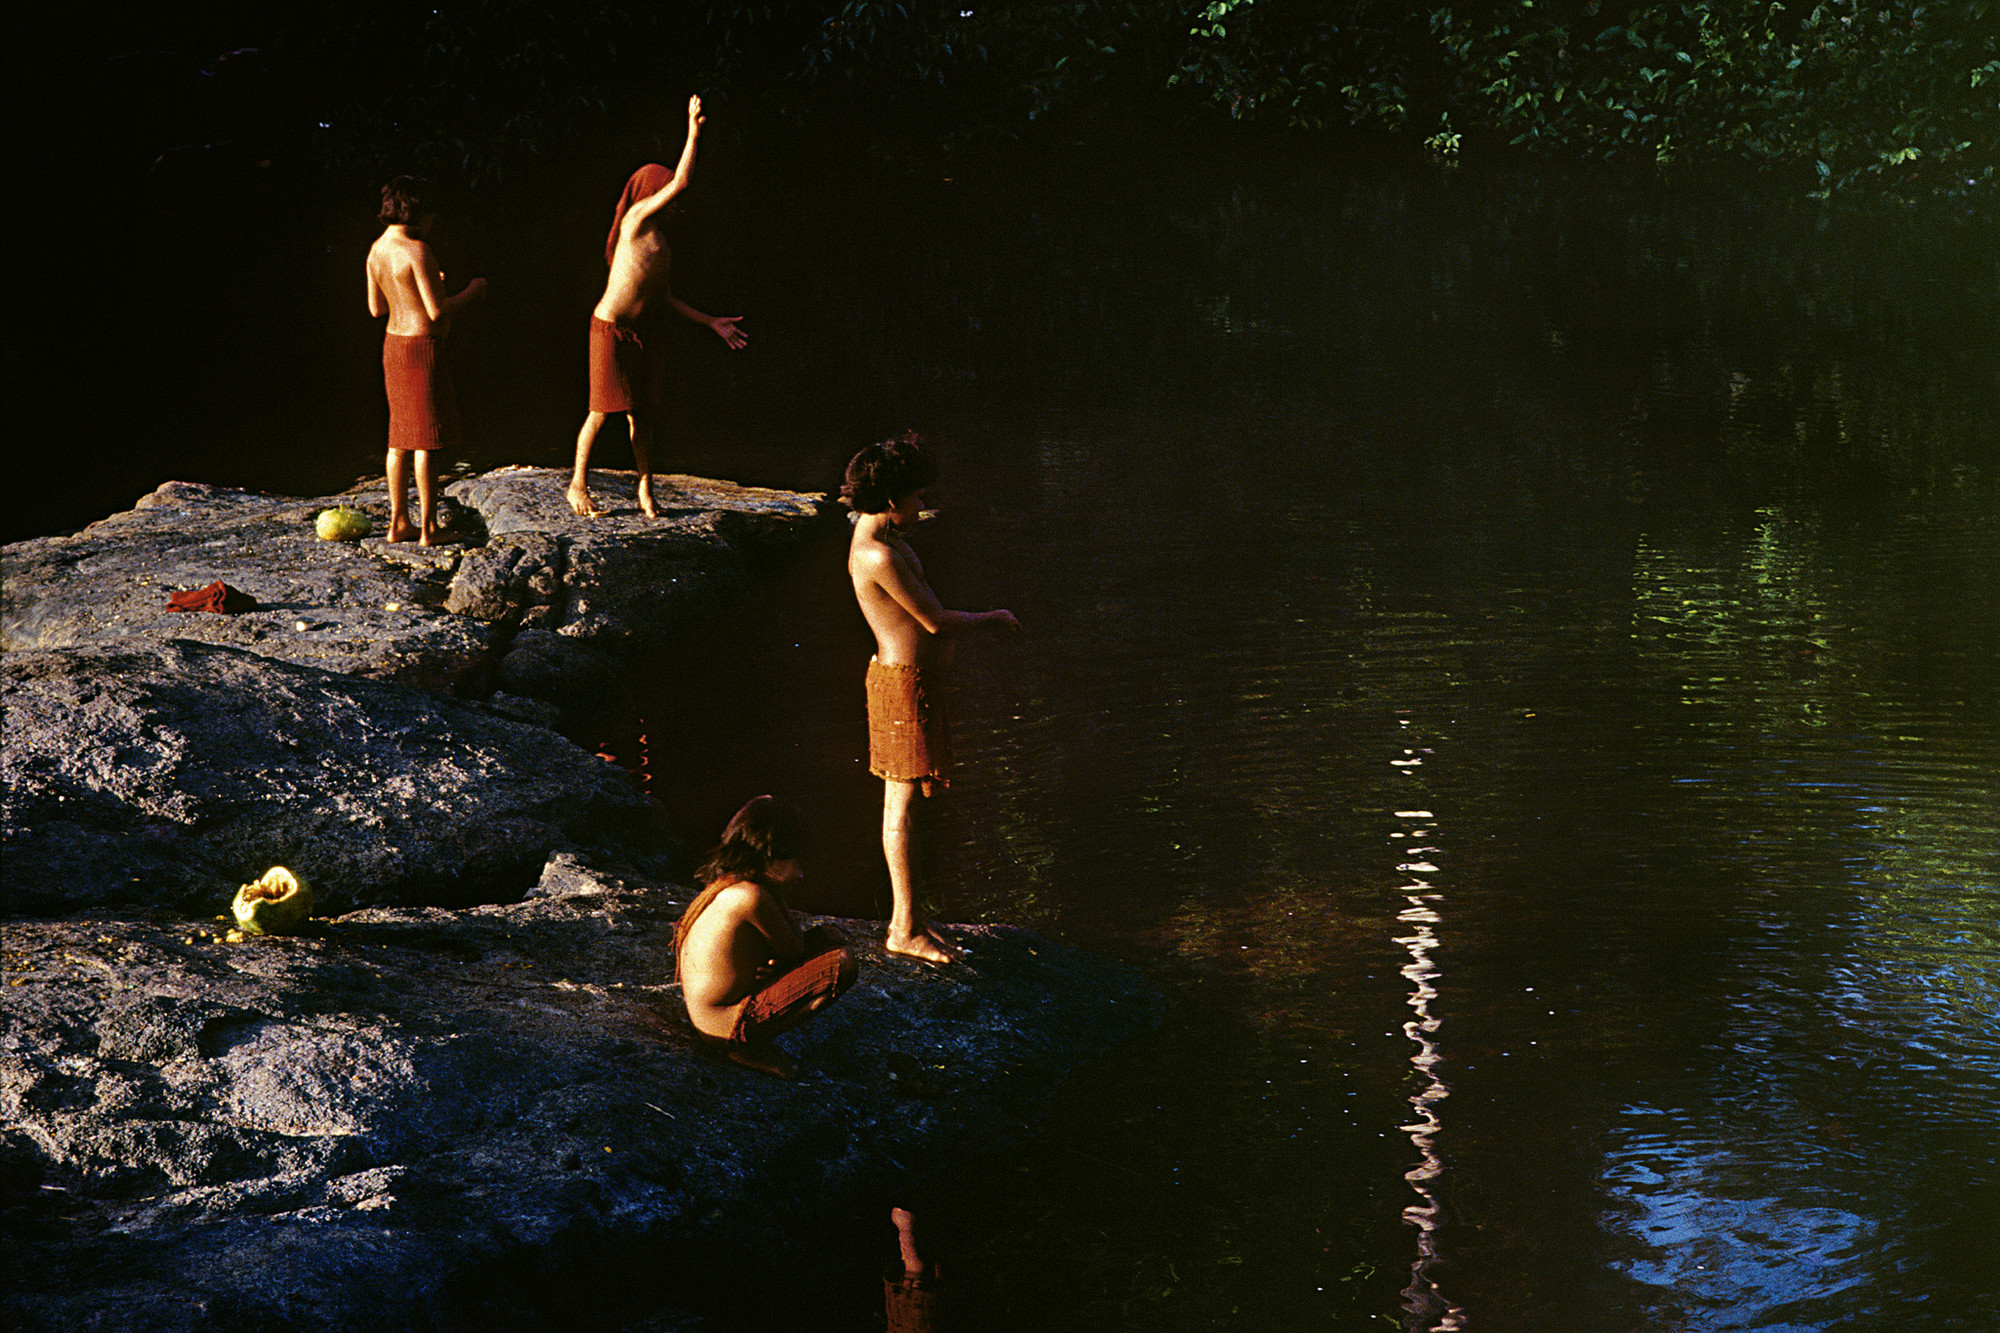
[
  {"x": 909, "y": 733},
  {"x": 423, "y": 403}
]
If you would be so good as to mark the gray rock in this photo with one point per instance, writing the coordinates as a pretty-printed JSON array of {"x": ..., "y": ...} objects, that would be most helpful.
[
  {"x": 439, "y": 618},
  {"x": 413, "y": 1118},
  {"x": 488, "y": 1119},
  {"x": 622, "y": 582},
  {"x": 367, "y": 608},
  {"x": 590, "y": 688},
  {"x": 168, "y": 774}
]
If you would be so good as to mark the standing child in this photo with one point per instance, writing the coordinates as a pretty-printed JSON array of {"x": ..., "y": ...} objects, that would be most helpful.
[
  {"x": 909, "y": 739},
  {"x": 405, "y": 283},
  {"x": 628, "y": 346}
]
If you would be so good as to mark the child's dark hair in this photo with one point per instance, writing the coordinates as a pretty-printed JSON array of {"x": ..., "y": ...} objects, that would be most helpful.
[
  {"x": 884, "y": 473},
  {"x": 764, "y": 832},
  {"x": 404, "y": 200}
]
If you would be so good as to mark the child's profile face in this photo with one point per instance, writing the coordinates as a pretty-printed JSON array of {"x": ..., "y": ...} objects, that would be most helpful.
[{"x": 905, "y": 511}]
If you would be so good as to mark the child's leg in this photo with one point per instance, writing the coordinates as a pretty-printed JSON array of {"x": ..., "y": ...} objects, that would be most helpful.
[
  {"x": 398, "y": 468},
  {"x": 579, "y": 482},
  {"x": 426, "y": 502},
  {"x": 908, "y": 934},
  {"x": 640, "y": 419}
]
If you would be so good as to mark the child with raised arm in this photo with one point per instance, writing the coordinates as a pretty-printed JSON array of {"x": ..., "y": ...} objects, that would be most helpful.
[
  {"x": 628, "y": 367},
  {"x": 746, "y": 972},
  {"x": 405, "y": 283},
  {"x": 909, "y": 737}
]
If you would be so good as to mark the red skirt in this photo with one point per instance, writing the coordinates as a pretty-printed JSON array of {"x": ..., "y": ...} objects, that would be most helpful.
[
  {"x": 423, "y": 404},
  {"x": 625, "y": 372}
]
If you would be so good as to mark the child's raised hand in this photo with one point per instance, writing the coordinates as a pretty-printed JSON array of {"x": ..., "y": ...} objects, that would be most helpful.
[{"x": 695, "y": 118}]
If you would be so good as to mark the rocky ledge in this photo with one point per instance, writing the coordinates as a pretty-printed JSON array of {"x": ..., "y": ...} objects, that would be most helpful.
[
  {"x": 468, "y": 1098},
  {"x": 162, "y": 775},
  {"x": 381, "y": 723},
  {"x": 487, "y": 1119},
  {"x": 529, "y": 604}
]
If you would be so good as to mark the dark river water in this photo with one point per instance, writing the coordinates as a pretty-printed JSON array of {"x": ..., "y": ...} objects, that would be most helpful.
[{"x": 1517, "y": 662}]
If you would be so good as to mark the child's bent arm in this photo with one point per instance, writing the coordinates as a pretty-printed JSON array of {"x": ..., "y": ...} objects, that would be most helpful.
[
  {"x": 471, "y": 292},
  {"x": 423, "y": 272}
]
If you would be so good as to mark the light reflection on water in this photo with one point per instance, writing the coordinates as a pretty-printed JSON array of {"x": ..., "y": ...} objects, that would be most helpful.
[
  {"x": 1723, "y": 830},
  {"x": 1425, "y": 1307}
]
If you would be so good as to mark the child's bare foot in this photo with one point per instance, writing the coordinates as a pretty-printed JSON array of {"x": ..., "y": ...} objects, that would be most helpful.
[
  {"x": 579, "y": 500},
  {"x": 401, "y": 530},
  {"x": 646, "y": 505},
  {"x": 429, "y": 538},
  {"x": 925, "y": 945}
]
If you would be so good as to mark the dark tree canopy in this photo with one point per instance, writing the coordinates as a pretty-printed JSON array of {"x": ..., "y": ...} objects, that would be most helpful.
[{"x": 1896, "y": 94}]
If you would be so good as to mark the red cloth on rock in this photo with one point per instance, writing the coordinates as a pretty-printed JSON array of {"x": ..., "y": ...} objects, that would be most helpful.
[{"x": 217, "y": 596}]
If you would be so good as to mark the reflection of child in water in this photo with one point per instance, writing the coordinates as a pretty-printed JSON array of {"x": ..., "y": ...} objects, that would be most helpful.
[
  {"x": 910, "y": 1286},
  {"x": 746, "y": 971}
]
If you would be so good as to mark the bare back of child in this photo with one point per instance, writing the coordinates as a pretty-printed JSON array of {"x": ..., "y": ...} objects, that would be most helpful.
[{"x": 747, "y": 972}]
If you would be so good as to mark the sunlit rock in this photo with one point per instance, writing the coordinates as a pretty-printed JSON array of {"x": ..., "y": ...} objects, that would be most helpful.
[{"x": 168, "y": 774}]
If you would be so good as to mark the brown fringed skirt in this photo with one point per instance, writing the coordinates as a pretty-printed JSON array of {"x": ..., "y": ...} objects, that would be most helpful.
[{"x": 909, "y": 733}]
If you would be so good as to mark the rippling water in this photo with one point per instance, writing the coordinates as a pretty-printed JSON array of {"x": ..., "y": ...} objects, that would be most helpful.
[{"x": 1516, "y": 662}]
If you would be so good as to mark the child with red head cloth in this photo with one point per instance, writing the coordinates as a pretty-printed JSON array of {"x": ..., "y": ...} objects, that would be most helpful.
[{"x": 627, "y": 343}]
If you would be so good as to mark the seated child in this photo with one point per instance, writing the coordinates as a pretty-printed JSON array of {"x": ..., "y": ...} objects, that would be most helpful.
[{"x": 745, "y": 970}]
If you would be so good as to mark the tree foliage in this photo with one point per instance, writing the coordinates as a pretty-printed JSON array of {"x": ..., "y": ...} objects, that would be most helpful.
[{"x": 1893, "y": 93}]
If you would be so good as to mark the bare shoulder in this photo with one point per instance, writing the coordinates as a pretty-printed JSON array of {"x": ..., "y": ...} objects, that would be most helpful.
[
  {"x": 738, "y": 900},
  {"x": 870, "y": 549},
  {"x": 392, "y": 253},
  {"x": 869, "y": 554}
]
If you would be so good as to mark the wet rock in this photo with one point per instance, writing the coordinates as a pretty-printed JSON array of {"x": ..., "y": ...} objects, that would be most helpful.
[
  {"x": 492, "y": 1118},
  {"x": 165, "y": 775}
]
